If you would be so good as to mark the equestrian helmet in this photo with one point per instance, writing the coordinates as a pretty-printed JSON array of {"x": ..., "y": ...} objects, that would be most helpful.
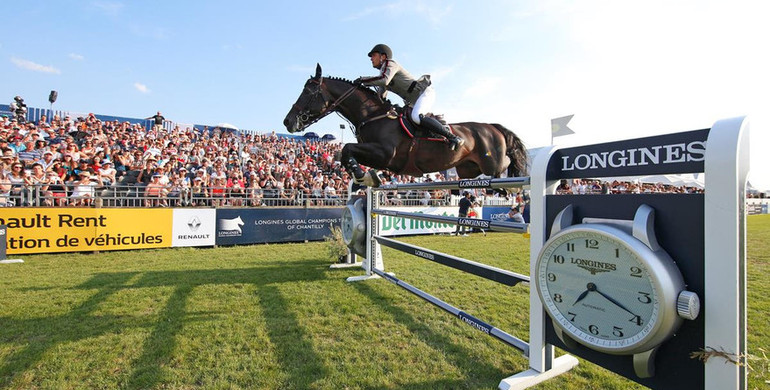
[{"x": 381, "y": 48}]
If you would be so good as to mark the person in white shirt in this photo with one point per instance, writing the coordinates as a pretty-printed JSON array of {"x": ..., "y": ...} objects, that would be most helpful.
[{"x": 107, "y": 174}]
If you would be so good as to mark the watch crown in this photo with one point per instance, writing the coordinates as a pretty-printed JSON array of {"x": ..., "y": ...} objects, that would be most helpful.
[{"x": 688, "y": 305}]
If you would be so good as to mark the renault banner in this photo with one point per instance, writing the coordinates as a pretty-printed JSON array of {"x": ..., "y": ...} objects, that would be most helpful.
[
  {"x": 74, "y": 230},
  {"x": 194, "y": 227}
]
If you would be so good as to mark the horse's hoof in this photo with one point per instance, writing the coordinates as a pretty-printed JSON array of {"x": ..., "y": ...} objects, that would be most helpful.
[{"x": 375, "y": 179}]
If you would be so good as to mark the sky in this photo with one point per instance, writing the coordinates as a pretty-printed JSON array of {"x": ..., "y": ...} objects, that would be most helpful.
[{"x": 624, "y": 69}]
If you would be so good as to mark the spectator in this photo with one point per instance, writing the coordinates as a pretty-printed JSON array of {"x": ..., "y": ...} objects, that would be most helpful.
[
  {"x": 107, "y": 174},
  {"x": 155, "y": 192},
  {"x": 47, "y": 160},
  {"x": 199, "y": 192},
  {"x": 56, "y": 190},
  {"x": 158, "y": 121},
  {"x": 515, "y": 215},
  {"x": 83, "y": 190},
  {"x": 5, "y": 189}
]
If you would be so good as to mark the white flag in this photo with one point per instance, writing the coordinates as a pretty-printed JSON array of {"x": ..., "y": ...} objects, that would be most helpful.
[{"x": 559, "y": 126}]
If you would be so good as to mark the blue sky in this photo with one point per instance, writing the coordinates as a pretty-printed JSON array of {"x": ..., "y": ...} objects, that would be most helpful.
[{"x": 625, "y": 69}]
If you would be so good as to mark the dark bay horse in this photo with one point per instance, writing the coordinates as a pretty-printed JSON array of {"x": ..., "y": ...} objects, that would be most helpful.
[{"x": 489, "y": 149}]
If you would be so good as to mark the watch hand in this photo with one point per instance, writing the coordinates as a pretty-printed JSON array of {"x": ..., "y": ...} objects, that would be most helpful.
[
  {"x": 589, "y": 287},
  {"x": 618, "y": 304},
  {"x": 580, "y": 298}
]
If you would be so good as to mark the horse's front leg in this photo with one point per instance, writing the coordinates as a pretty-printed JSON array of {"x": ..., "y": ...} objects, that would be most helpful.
[{"x": 349, "y": 161}]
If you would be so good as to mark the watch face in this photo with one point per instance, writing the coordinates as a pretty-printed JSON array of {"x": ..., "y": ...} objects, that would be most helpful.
[
  {"x": 598, "y": 289},
  {"x": 346, "y": 225}
]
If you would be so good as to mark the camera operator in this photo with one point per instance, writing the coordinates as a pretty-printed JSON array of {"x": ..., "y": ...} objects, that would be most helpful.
[{"x": 19, "y": 109}]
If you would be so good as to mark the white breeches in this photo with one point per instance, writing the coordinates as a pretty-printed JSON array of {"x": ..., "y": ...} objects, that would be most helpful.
[{"x": 424, "y": 104}]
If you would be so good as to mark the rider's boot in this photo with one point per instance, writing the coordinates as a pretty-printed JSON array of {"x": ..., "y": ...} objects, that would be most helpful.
[{"x": 435, "y": 126}]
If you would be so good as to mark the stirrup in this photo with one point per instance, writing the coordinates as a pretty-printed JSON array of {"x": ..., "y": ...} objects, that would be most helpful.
[{"x": 455, "y": 142}]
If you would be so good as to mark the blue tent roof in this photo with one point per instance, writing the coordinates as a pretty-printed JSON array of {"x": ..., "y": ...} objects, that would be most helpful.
[
  {"x": 311, "y": 134},
  {"x": 328, "y": 137}
]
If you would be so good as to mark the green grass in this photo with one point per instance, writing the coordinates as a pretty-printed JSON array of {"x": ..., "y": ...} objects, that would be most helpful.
[{"x": 276, "y": 317}]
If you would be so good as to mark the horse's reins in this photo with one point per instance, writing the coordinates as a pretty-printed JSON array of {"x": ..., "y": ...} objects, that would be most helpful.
[{"x": 304, "y": 116}]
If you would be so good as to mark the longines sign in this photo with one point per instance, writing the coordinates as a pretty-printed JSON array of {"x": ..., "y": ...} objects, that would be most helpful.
[{"x": 671, "y": 153}]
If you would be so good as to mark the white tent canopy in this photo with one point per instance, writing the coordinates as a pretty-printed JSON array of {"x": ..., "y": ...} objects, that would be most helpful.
[{"x": 227, "y": 126}]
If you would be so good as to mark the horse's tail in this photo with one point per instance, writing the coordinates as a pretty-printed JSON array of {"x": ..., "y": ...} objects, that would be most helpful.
[{"x": 515, "y": 150}]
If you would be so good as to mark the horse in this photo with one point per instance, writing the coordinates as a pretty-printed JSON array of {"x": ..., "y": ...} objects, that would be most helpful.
[{"x": 383, "y": 144}]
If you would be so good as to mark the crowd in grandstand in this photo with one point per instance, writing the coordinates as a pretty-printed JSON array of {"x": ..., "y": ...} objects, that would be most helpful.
[
  {"x": 68, "y": 159},
  {"x": 71, "y": 161}
]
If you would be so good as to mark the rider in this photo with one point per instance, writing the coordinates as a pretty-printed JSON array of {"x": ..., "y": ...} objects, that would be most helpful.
[{"x": 416, "y": 92}]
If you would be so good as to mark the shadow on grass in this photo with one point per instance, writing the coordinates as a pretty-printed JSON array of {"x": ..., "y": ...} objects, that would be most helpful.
[
  {"x": 294, "y": 351},
  {"x": 41, "y": 335},
  {"x": 477, "y": 373}
]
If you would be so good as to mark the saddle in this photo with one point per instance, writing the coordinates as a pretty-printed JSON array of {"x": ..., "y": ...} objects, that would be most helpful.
[{"x": 413, "y": 130}]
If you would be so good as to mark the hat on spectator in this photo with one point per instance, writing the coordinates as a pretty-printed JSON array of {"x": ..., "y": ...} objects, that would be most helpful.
[
  {"x": 47, "y": 152},
  {"x": 197, "y": 178},
  {"x": 156, "y": 175},
  {"x": 106, "y": 163}
]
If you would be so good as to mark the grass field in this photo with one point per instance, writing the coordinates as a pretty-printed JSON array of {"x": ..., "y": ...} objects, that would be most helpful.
[{"x": 276, "y": 317}]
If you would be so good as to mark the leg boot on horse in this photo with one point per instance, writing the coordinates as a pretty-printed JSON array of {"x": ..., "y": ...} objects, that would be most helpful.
[
  {"x": 435, "y": 126},
  {"x": 369, "y": 178}
]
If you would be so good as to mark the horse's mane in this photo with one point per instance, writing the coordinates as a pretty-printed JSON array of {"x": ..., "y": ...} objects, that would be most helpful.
[{"x": 370, "y": 94}]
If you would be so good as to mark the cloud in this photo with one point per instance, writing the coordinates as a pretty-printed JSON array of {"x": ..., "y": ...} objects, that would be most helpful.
[
  {"x": 442, "y": 72},
  {"x": 157, "y": 33},
  {"x": 29, "y": 65},
  {"x": 76, "y": 57},
  {"x": 141, "y": 88},
  {"x": 483, "y": 87},
  {"x": 108, "y": 7},
  {"x": 432, "y": 11},
  {"x": 385, "y": 8}
]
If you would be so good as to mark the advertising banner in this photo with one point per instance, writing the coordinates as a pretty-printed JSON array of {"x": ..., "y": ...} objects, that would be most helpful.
[
  {"x": 495, "y": 213},
  {"x": 74, "y": 230},
  {"x": 399, "y": 226},
  {"x": 194, "y": 227},
  {"x": 669, "y": 153},
  {"x": 3, "y": 231},
  {"x": 252, "y": 226}
]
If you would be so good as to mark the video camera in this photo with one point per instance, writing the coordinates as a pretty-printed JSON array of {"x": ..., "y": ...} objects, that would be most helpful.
[{"x": 19, "y": 109}]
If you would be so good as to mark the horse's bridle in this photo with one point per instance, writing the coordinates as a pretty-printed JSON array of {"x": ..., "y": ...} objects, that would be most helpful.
[{"x": 305, "y": 118}]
